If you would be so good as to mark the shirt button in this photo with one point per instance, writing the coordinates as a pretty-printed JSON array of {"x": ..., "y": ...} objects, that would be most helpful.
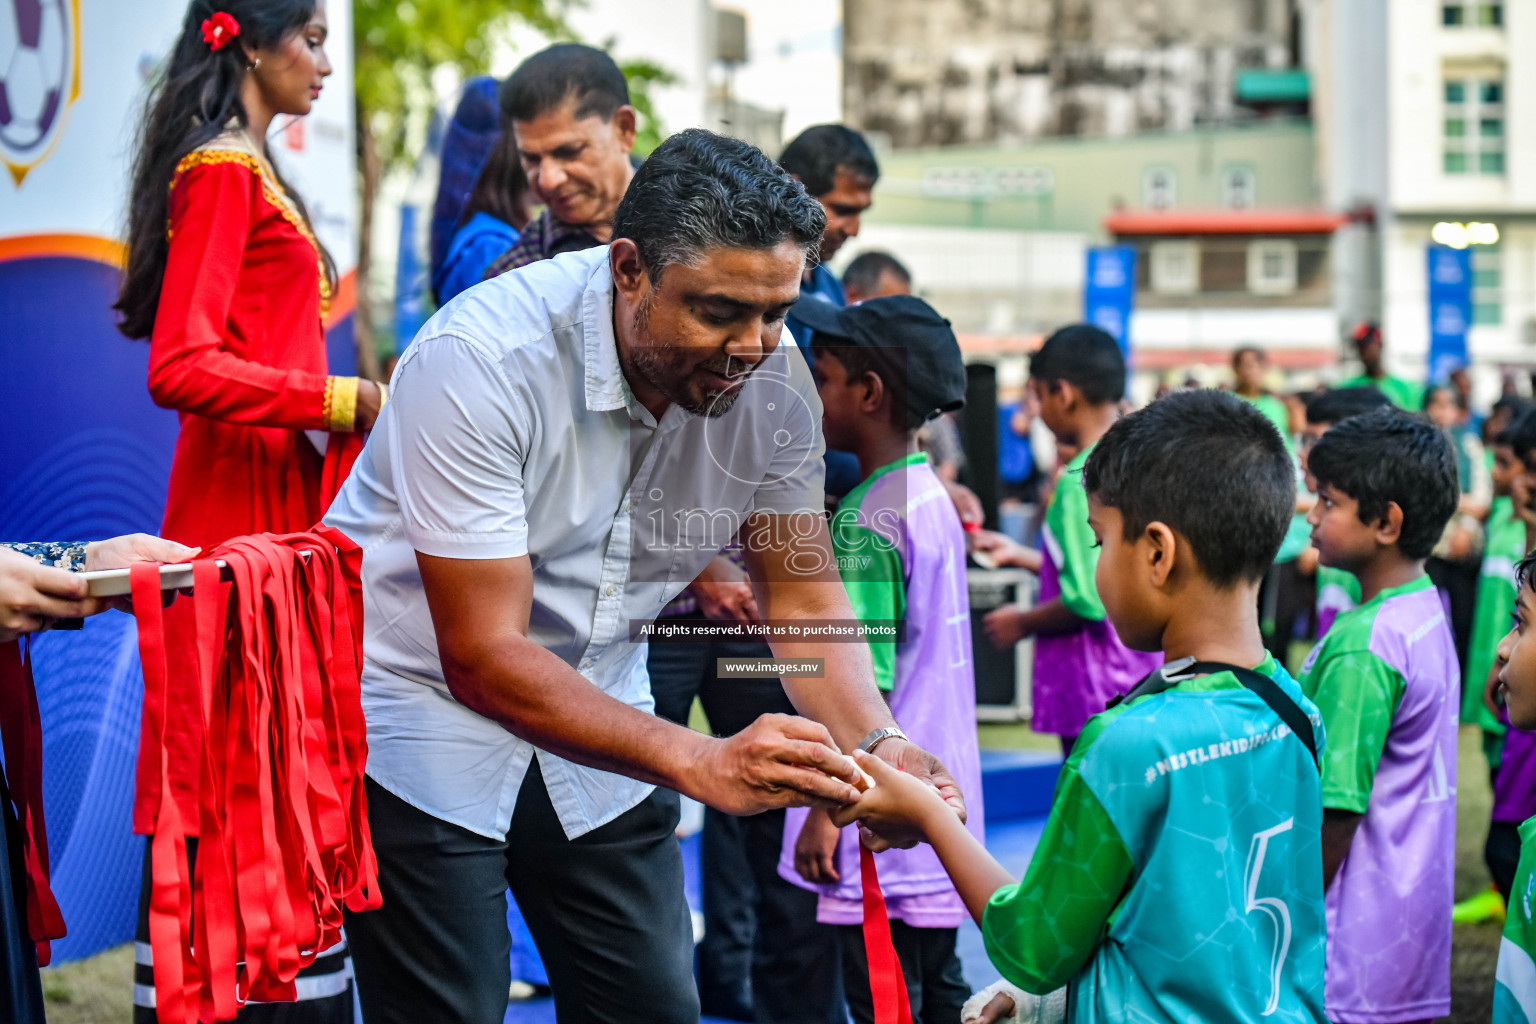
[
  {"x": 611, "y": 589},
  {"x": 586, "y": 663}
]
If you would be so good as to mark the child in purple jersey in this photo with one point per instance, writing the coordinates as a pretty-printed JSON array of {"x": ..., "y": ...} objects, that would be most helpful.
[
  {"x": 1078, "y": 378},
  {"x": 1387, "y": 684},
  {"x": 883, "y": 369}
]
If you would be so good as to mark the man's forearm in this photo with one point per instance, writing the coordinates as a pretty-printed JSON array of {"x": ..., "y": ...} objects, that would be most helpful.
[
  {"x": 845, "y": 698},
  {"x": 537, "y": 697}
]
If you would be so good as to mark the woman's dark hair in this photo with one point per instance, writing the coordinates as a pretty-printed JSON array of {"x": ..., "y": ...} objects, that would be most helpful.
[
  {"x": 195, "y": 95},
  {"x": 502, "y": 188}
]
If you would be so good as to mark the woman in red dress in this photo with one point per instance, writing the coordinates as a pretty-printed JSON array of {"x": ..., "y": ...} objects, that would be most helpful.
[{"x": 228, "y": 282}]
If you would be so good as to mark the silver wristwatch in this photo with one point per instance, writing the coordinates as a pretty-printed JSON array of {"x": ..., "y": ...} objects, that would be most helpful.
[{"x": 879, "y": 736}]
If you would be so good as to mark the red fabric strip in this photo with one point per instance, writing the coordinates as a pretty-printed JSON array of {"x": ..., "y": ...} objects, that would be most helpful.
[
  {"x": 21, "y": 733},
  {"x": 887, "y": 985}
]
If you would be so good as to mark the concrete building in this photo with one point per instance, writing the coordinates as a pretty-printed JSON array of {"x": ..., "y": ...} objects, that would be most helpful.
[
  {"x": 1419, "y": 107},
  {"x": 947, "y": 72}
]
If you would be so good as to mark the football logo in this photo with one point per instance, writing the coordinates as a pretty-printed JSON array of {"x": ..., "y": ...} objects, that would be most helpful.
[{"x": 39, "y": 78}]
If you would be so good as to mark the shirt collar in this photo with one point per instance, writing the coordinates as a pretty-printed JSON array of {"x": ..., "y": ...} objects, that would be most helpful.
[{"x": 606, "y": 388}]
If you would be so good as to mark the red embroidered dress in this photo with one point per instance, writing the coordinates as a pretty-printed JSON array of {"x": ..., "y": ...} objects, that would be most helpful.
[{"x": 239, "y": 351}]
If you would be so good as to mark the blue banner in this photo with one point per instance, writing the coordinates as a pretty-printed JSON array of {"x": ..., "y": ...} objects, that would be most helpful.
[
  {"x": 1450, "y": 309},
  {"x": 1109, "y": 291}
]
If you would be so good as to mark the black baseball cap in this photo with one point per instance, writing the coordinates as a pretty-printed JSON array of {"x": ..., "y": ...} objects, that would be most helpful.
[{"x": 906, "y": 335}]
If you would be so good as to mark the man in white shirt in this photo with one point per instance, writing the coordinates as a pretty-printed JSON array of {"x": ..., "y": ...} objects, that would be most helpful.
[{"x": 565, "y": 448}]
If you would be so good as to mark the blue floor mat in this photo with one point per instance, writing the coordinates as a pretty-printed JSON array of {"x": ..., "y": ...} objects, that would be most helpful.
[{"x": 1011, "y": 841}]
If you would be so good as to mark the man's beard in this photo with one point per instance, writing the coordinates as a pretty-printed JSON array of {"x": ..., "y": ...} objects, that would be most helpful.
[{"x": 666, "y": 370}]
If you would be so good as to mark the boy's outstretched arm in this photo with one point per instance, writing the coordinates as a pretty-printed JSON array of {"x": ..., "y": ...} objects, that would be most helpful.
[{"x": 1039, "y": 932}]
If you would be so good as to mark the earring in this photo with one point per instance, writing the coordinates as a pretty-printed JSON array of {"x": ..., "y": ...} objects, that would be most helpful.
[{"x": 253, "y": 65}]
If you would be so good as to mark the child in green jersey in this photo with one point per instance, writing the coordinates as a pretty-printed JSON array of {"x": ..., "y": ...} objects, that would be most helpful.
[
  {"x": 1337, "y": 590},
  {"x": 1179, "y": 875},
  {"x": 1387, "y": 683},
  {"x": 1514, "y": 991}
]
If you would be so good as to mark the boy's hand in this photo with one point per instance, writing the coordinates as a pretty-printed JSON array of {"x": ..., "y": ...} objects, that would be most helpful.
[
  {"x": 1004, "y": 550},
  {"x": 1005, "y": 626},
  {"x": 898, "y": 804},
  {"x": 1000, "y": 1007},
  {"x": 816, "y": 849}
]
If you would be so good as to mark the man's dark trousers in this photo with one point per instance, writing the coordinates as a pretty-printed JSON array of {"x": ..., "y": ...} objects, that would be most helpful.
[{"x": 606, "y": 910}]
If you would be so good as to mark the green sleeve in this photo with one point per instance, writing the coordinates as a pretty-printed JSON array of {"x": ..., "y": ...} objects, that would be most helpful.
[
  {"x": 1077, "y": 553},
  {"x": 1357, "y": 693},
  {"x": 1040, "y": 932},
  {"x": 874, "y": 578}
]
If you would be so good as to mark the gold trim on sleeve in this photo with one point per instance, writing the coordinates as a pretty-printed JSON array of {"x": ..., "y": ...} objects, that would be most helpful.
[{"x": 340, "y": 404}]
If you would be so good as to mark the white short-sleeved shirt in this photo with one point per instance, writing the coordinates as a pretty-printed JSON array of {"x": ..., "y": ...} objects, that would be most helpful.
[{"x": 511, "y": 431}]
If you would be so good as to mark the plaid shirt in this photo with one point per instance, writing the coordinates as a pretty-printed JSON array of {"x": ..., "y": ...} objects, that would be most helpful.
[{"x": 543, "y": 238}]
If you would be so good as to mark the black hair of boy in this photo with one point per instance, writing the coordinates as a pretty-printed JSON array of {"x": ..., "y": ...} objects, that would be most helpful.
[
  {"x": 1387, "y": 456},
  {"x": 1210, "y": 466},
  {"x": 864, "y": 271},
  {"x": 1525, "y": 571},
  {"x": 1522, "y": 434},
  {"x": 1086, "y": 357},
  {"x": 857, "y": 361},
  {"x": 1338, "y": 404}
]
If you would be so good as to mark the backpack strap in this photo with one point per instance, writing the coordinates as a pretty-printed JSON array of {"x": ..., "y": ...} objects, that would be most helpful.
[{"x": 1261, "y": 685}]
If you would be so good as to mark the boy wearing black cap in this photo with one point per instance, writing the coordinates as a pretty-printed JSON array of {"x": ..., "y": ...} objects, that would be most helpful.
[{"x": 883, "y": 369}]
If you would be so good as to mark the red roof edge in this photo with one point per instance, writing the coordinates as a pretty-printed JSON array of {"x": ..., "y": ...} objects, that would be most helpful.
[{"x": 1223, "y": 222}]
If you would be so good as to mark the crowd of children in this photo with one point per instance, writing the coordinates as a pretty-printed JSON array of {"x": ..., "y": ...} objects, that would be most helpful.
[{"x": 1225, "y": 842}]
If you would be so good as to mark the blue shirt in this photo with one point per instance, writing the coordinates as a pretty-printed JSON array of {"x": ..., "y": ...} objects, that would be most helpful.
[
  {"x": 474, "y": 247},
  {"x": 1015, "y": 458},
  {"x": 843, "y": 473}
]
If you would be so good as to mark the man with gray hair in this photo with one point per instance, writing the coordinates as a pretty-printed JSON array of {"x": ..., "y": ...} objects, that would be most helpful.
[{"x": 565, "y": 448}]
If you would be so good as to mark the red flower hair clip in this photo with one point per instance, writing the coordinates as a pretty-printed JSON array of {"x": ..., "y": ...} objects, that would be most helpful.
[{"x": 219, "y": 30}]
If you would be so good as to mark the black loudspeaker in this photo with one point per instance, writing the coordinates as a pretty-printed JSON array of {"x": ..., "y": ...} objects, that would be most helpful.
[{"x": 978, "y": 436}]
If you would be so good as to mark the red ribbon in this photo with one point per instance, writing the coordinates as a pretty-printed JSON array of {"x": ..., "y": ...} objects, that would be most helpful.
[
  {"x": 21, "y": 732},
  {"x": 253, "y": 741},
  {"x": 887, "y": 985}
]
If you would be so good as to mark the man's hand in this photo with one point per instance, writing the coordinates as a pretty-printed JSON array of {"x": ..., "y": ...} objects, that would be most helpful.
[
  {"x": 1000, "y": 1007},
  {"x": 724, "y": 593},
  {"x": 901, "y": 806},
  {"x": 121, "y": 552},
  {"x": 777, "y": 761},
  {"x": 816, "y": 849},
  {"x": 1005, "y": 626}
]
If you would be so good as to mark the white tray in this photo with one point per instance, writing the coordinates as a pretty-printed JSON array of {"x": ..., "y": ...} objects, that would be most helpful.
[{"x": 114, "y": 582}]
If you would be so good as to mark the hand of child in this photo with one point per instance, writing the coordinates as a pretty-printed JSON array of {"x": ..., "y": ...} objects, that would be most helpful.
[
  {"x": 1005, "y": 626},
  {"x": 897, "y": 804},
  {"x": 816, "y": 849}
]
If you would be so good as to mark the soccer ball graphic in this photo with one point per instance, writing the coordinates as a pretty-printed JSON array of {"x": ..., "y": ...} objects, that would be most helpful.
[{"x": 35, "y": 69}]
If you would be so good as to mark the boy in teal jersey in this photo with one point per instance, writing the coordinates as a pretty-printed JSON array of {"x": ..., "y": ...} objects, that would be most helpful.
[
  {"x": 1179, "y": 875},
  {"x": 1387, "y": 683},
  {"x": 1514, "y": 990}
]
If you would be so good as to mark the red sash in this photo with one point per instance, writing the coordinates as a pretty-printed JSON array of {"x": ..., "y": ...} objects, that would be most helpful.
[
  {"x": 253, "y": 741},
  {"x": 887, "y": 985},
  {"x": 21, "y": 732}
]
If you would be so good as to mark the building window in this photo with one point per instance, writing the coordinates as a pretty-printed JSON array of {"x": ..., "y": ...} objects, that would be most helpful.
[
  {"x": 1487, "y": 285},
  {"x": 1175, "y": 267},
  {"x": 1239, "y": 187},
  {"x": 1272, "y": 266},
  {"x": 1159, "y": 188},
  {"x": 1472, "y": 128},
  {"x": 1472, "y": 14}
]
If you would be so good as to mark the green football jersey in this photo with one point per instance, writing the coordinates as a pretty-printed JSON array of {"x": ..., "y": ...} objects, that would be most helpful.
[
  {"x": 1495, "y": 604},
  {"x": 1514, "y": 987}
]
